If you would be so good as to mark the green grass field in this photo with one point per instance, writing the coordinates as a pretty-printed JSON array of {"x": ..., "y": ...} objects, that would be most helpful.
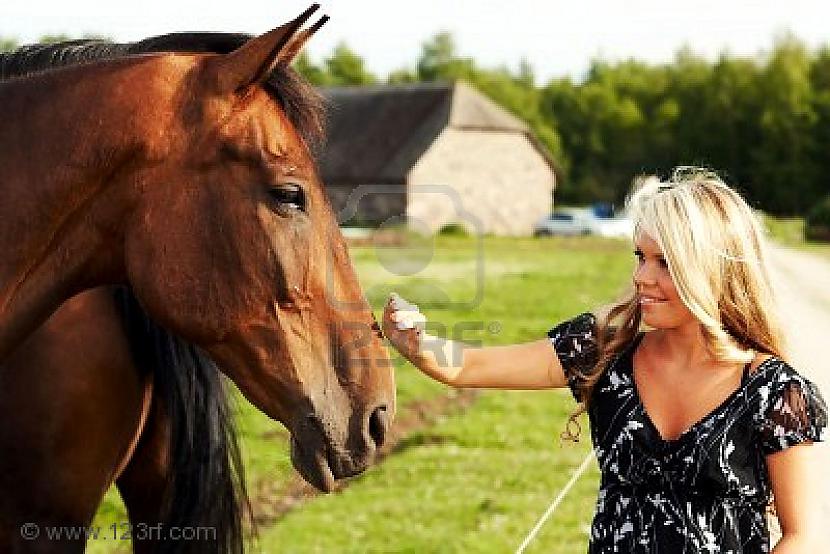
[
  {"x": 470, "y": 482},
  {"x": 473, "y": 481},
  {"x": 476, "y": 481}
]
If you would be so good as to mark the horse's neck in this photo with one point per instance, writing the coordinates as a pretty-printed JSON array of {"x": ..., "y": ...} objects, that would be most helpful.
[{"x": 51, "y": 184}]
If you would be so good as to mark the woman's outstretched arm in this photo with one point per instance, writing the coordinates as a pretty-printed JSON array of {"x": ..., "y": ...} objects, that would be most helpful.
[
  {"x": 532, "y": 365},
  {"x": 794, "y": 475}
]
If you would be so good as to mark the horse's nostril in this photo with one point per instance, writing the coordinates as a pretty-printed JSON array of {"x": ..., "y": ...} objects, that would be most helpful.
[{"x": 378, "y": 425}]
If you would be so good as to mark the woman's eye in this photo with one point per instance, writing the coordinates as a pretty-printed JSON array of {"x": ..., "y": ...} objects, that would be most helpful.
[{"x": 288, "y": 197}]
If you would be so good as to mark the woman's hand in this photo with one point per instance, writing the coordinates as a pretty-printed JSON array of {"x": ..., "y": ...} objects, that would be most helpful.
[
  {"x": 404, "y": 326},
  {"x": 532, "y": 365}
]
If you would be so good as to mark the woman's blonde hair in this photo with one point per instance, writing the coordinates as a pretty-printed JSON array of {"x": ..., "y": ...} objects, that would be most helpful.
[{"x": 716, "y": 252}]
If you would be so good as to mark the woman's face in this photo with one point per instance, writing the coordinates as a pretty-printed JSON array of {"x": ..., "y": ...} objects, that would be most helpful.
[{"x": 660, "y": 304}]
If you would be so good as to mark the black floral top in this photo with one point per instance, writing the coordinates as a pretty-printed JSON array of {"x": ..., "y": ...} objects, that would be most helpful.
[{"x": 707, "y": 490}]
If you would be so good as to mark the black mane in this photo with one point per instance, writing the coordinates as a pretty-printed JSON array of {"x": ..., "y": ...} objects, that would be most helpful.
[
  {"x": 206, "y": 479},
  {"x": 34, "y": 58},
  {"x": 301, "y": 103}
]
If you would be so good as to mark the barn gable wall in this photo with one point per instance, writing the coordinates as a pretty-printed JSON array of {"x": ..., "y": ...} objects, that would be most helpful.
[{"x": 502, "y": 182}]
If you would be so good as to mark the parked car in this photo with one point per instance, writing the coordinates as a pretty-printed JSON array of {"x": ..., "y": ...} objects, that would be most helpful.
[
  {"x": 578, "y": 221},
  {"x": 602, "y": 210},
  {"x": 563, "y": 222},
  {"x": 617, "y": 227}
]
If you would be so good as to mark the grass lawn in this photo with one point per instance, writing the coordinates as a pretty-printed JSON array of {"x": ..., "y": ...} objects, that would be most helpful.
[{"x": 474, "y": 481}]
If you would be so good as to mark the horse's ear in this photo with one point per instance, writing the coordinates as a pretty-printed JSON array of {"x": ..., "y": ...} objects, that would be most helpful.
[
  {"x": 251, "y": 63},
  {"x": 287, "y": 54}
]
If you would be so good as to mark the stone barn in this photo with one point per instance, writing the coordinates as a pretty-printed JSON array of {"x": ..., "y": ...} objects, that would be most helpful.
[{"x": 430, "y": 155}]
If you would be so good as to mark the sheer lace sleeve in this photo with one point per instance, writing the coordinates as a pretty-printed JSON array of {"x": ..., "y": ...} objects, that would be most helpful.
[
  {"x": 796, "y": 413},
  {"x": 575, "y": 343}
]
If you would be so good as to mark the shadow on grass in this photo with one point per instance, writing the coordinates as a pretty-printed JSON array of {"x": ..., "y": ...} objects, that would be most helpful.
[{"x": 422, "y": 439}]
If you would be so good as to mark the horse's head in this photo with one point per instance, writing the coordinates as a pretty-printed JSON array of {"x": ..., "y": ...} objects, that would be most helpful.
[{"x": 234, "y": 246}]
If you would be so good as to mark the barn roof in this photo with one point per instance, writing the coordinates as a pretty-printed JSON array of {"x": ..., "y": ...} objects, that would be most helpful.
[{"x": 376, "y": 134}]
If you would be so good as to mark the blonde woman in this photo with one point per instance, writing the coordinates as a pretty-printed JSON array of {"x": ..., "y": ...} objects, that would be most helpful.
[{"x": 697, "y": 422}]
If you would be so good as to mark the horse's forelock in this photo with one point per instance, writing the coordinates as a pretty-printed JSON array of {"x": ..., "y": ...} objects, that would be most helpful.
[{"x": 302, "y": 104}]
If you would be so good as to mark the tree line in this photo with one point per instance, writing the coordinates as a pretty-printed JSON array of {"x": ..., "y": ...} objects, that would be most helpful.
[{"x": 763, "y": 122}]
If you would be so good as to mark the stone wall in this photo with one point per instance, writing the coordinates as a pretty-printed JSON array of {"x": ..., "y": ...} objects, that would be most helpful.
[{"x": 489, "y": 182}]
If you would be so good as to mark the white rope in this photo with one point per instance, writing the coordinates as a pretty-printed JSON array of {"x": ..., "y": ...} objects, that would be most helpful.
[{"x": 555, "y": 504}]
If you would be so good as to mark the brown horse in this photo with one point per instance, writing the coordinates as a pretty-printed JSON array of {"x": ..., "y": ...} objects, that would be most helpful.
[{"x": 188, "y": 180}]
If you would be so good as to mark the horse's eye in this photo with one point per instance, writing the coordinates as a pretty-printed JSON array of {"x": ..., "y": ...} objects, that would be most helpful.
[{"x": 288, "y": 197}]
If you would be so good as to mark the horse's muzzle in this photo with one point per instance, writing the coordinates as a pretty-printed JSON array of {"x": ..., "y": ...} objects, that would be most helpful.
[{"x": 321, "y": 459}]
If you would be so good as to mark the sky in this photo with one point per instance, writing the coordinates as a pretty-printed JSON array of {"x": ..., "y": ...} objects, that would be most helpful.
[{"x": 557, "y": 38}]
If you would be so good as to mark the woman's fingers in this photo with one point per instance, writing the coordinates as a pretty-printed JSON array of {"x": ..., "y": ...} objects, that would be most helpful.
[
  {"x": 400, "y": 319},
  {"x": 405, "y": 315},
  {"x": 409, "y": 320},
  {"x": 398, "y": 303},
  {"x": 391, "y": 318}
]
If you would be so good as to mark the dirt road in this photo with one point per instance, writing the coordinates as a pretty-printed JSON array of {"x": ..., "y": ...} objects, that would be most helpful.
[{"x": 803, "y": 282}]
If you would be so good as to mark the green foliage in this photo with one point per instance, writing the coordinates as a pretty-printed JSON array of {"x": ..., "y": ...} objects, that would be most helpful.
[
  {"x": 402, "y": 76},
  {"x": 440, "y": 62},
  {"x": 53, "y": 38},
  {"x": 794, "y": 233},
  {"x": 765, "y": 123},
  {"x": 820, "y": 214},
  {"x": 785, "y": 154},
  {"x": 345, "y": 68},
  {"x": 315, "y": 74},
  {"x": 817, "y": 224},
  {"x": 8, "y": 44},
  {"x": 342, "y": 68},
  {"x": 786, "y": 231},
  {"x": 454, "y": 229}
]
